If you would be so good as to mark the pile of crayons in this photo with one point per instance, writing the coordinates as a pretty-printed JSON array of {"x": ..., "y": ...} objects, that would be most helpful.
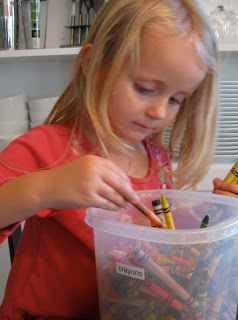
[
  {"x": 143, "y": 280},
  {"x": 148, "y": 281}
]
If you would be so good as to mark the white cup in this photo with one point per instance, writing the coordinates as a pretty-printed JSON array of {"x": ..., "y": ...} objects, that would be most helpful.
[
  {"x": 38, "y": 116},
  {"x": 17, "y": 115},
  {"x": 11, "y": 128},
  {"x": 14, "y": 103},
  {"x": 34, "y": 124},
  {"x": 43, "y": 104}
]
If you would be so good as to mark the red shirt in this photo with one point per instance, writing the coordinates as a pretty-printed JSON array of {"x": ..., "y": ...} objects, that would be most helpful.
[{"x": 54, "y": 274}]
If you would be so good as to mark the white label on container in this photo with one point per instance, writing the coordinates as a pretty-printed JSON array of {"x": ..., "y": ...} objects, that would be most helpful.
[{"x": 130, "y": 271}]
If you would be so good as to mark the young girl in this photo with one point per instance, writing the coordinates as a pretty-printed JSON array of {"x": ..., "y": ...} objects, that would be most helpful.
[{"x": 146, "y": 64}]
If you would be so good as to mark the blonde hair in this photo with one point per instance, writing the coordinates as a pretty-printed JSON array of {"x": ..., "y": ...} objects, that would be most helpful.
[{"x": 115, "y": 36}]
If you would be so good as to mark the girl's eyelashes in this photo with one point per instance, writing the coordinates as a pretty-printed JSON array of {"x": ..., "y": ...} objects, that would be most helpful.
[
  {"x": 174, "y": 100},
  {"x": 142, "y": 89}
]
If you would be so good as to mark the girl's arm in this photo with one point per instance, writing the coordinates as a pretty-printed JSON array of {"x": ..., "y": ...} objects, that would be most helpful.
[
  {"x": 89, "y": 181},
  {"x": 226, "y": 189}
]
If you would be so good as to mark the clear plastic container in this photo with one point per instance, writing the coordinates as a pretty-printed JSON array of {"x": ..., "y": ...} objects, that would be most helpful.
[{"x": 150, "y": 273}]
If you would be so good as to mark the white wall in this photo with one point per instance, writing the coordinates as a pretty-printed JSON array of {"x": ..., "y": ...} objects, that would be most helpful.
[{"x": 57, "y": 35}]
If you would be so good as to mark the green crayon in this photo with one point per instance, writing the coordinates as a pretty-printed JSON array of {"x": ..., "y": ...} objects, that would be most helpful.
[{"x": 205, "y": 222}]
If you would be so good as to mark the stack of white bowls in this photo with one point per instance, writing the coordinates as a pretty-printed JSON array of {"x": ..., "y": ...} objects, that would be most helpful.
[
  {"x": 14, "y": 119},
  {"x": 39, "y": 109}
]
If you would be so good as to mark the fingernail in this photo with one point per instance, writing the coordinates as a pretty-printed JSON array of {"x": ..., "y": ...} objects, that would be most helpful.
[{"x": 135, "y": 200}]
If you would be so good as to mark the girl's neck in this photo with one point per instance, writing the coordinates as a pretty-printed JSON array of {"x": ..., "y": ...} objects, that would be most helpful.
[{"x": 134, "y": 162}]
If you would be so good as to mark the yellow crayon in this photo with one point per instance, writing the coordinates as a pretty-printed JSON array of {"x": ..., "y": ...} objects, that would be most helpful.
[
  {"x": 167, "y": 213},
  {"x": 232, "y": 174},
  {"x": 235, "y": 180}
]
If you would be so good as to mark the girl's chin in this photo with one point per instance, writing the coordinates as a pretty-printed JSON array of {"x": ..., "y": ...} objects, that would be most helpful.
[{"x": 133, "y": 135}]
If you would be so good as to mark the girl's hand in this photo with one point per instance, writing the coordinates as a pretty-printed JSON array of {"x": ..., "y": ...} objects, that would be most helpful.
[
  {"x": 226, "y": 189},
  {"x": 89, "y": 181}
]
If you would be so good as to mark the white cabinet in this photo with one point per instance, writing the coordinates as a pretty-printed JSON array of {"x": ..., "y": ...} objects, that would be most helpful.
[{"x": 37, "y": 73}]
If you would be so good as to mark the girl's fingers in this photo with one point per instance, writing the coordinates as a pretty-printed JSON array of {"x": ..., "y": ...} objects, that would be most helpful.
[
  {"x": 114, "y": 197},
  {"x": 122, "y": 190},
  {"x": 226, "y": 189},
  {"x": 225, "y": 193},
  {"x": 104, "y": 203}
]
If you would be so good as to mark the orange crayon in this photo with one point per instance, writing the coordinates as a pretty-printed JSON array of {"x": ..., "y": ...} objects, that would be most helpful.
[{"x": 150, "y": 215}]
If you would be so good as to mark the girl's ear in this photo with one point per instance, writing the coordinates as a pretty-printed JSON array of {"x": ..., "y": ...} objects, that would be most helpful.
[{"x": 85, "y": 57}]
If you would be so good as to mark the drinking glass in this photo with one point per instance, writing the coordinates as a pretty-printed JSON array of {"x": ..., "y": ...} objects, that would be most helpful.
[
  {"x": 224, "y": 24},
  {"x": 34, "y": 17}
]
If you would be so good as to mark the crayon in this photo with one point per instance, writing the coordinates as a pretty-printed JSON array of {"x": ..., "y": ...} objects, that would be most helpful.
[
  {"x": 150, "y": 215},
  {"x": 202, "y": 292},
  {"x": 215, "y": 307},
  {"x": 167, "y": 213},
  {"x": 151, "y": 316},
  {"x": 149, "y": 247},
  {"x": 209, "y": 249},
  {"x": 158, "y": 210},
  {"x": 170, "y": 317},
  {"x": 233, "y": 173},
  {"x": 216, "y": 269},
  {"x": 170, "y": 259},
  {"x": 159, "y": 273},
  {"x": 113, "y": 309},
  {"x": 235, "y": 180},
  {"x": 154, "y": 290},
  {"x": 233, "y": 292},
  {"x": 147, "y": 303},
  {"x": 196, "y": 276},
  {"x": 190, "y": 250},
  {"x": 177, "y": 270},
  {"x": 214, "y": 310},
  {"x": 162, "y": 261},
  {"x": 220, "y": 250},
  {"x": 205, "y": 222}
]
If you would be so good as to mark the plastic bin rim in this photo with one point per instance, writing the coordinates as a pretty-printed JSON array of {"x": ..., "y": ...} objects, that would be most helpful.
[{"x": 221, "y": 231}]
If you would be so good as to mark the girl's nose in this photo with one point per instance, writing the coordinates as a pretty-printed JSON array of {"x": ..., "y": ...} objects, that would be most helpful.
[{"x": 158, "y": 109}]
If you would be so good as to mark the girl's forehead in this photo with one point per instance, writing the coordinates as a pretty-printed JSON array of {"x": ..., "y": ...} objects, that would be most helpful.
[
  {"x": 155, "y": 46},
  {"x": 170, "y": 60}
]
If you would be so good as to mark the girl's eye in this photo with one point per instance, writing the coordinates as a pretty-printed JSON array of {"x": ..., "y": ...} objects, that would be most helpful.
[
  {"x": 173, "y": 100},
  {"x": 142, "y": 89}
]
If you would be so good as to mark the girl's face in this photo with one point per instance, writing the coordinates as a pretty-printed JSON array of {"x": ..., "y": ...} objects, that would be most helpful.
[{"x": 145, "y": 98}]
